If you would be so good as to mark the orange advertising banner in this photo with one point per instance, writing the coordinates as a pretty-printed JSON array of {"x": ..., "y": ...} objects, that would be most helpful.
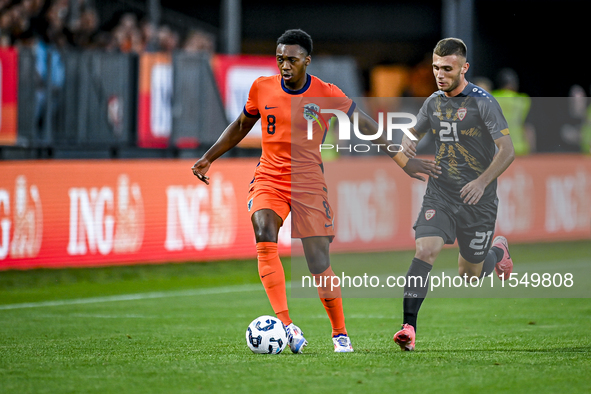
[
  {"x": 89, "y": 213},
  {"x": 77, "y": 213}
]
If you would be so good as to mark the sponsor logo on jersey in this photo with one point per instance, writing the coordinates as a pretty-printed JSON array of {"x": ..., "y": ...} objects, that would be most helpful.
[
  {"x": 429, "y": 214},
  {"x": 462, "y": 113}
]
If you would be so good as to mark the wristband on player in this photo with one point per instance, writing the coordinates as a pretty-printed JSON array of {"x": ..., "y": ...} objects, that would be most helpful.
[{"x": 400, "y": 159}]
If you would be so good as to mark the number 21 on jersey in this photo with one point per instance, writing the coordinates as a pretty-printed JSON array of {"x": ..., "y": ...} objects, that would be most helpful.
[{"x": 448, "y": 132}]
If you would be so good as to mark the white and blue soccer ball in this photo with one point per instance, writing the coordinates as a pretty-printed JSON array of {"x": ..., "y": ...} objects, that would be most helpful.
[{"x": 266, "y": 335}]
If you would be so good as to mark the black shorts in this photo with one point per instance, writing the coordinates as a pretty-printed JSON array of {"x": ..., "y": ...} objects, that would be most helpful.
[{"x": 472, "y": 225}]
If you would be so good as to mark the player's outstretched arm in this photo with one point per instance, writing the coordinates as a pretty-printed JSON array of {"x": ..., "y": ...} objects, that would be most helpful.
[
  {"x": 473, "y": 191},
  {"x": 232, "y": 135},
  {"x": 413, "y": 167},
  {"x": 409, "y": 147}
]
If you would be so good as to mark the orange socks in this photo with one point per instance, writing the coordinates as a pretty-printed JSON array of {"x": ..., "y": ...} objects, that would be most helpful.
[
  {"x": 273, "y": 278},
  {"x": 332, "y": 301}
]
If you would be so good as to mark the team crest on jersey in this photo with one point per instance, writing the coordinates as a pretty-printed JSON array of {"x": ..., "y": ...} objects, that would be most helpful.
[
  {"x": 429, "y": 214},
  {"x": 311, "y": 111},
  {"x": 312, "y": 114},
  {"x": 462, "y": 113}
]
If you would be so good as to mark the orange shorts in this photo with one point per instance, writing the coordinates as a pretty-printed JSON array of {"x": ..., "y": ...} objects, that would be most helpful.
[{"x": 311, "y": 214}]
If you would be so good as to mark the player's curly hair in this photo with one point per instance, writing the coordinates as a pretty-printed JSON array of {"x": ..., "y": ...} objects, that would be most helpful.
[
  {"x": 296, "y": 37},
  {"x": 450, "y": 46}
]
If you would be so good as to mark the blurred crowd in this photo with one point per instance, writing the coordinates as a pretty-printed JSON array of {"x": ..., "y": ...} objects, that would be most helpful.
[
  {"x": 48, "y": 28},
  {"x": 75, "y": 24}
]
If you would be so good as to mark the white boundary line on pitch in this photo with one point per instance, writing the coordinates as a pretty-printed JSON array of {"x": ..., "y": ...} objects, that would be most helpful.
[{"x": 137, "y": 296}]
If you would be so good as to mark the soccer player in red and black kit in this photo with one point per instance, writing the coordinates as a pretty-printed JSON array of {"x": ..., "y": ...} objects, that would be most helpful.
[
  {"x": 289, "y": 176},
  {"x": 468, "y": 124}
]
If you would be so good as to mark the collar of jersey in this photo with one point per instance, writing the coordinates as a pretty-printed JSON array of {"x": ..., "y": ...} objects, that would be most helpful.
[
  {"x": 467, "y": 89},
  {"x": 299, "y": 91},
  {"x": 463, "y": 93}
]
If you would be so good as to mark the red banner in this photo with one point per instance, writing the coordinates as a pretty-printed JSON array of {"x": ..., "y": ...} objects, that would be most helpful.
[
  {"x": 87, "y": 213},
  {"x": 9, "y": 90},
  {"x": 154, "y": 105},
  {"x": 234, "y": 75}
]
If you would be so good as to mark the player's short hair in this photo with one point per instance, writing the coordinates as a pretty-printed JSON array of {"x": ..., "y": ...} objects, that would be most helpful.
[
  {"x": 296, "y": 37},
  {"x": 450, "y": 46}
]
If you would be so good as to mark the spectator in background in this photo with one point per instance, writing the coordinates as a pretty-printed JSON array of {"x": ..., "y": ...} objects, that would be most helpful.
[
  {"x": 56, "y": 19},
  {"x": 36, "y": 10},
  {"x": 168, "y": 40},
  {"x": 575, "y": 117},
  {"x": 33, "y": 7},
  {"x": 85, "y": 28},
  {"x": 127, "y": 34},
  {"x": 199, "y": 41},
  {"x": 516, "y": 108},
  {"x": 149, "y": 36},
  {"x": 484, "y": 83},
  {"x": 20, "y": 19},
  {"x": 41, "y": 27},
  {"x": 67, "y": 23},
  {"x": 104, "y": 40},
  {"x": 5, "y": 28},
  {"x": 51, "y": 77},
  {"x": 584, "y": 139},
  {"x": 586, "y": 133},
  {"x": 14, "y": 22}
]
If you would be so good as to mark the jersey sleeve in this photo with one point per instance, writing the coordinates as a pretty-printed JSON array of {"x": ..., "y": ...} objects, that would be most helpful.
[
  {"x": 342, "y": 102},
  {"x": 251, "y": 108},
  {"x": 423, "y": 124},
  {"x": 492, "y": 116}
]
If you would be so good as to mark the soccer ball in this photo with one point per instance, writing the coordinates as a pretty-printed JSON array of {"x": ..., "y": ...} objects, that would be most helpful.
[{"x": 266, "y": 334}]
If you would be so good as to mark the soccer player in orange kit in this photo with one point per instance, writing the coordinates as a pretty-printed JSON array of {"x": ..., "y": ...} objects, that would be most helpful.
[{"x": 290, "y": 176}]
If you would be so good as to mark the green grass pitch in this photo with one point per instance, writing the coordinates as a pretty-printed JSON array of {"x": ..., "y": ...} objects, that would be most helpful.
[{"x": 179, "y": 328}]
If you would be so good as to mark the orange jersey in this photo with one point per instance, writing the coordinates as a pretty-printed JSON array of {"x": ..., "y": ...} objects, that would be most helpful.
[{"x": 289, "y": 157}]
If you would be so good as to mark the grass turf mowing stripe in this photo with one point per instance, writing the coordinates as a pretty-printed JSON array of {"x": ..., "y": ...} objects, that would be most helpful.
[{"x": 138, "y": 296}]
